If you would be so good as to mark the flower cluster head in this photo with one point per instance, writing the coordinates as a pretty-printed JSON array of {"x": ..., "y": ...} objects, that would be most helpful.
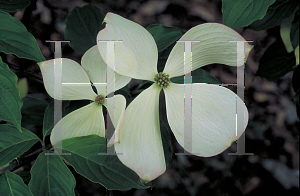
[
  {"x": 162, "y": 79},
  {"x": 100, "y": 100}
]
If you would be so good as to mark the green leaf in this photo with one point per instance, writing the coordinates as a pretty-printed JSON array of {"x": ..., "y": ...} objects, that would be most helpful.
[
  {"x": 198, "y": 76},
  {"x": 12, "y": 184},
  {"x": 50, "y": 176},
  {"x": 125, "y": 91},
  {"x": 15, "y": 39},
  {"x": 13, "y": 5},
  {"x": 295, "y": 30},
  {"x": 67, "y": 107},
  {"x": 48, "y": 121},
  {"x": 285, "y": 32},
  {"x": 104, "y": 169},
  {"x": 240, "y": 13},
  {"x": 164, "y": 36},
  {"x": 22, "y": 86},
  {"x": 10, "y": 101},
  {"x": 276, "y": 12},
  {"x": 166, "y": 140},
  {"x": 276, "y": 62},
  {"x": 33, "y": 111},
  {"x": 163, "y": 57},
  {"x": 13, "y": 143},
  {"x": 82, "y": 27}
]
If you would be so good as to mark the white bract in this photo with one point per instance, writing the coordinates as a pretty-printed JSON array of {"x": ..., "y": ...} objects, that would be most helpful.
[
  {"x": 213, "y": 107},
  {"x": 89, "y": 119}
]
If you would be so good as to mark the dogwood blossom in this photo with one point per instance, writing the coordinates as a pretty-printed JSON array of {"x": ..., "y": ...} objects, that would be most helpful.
[
  {"x": 213, "y": 107},
  {"x": 89, "y": 119}
]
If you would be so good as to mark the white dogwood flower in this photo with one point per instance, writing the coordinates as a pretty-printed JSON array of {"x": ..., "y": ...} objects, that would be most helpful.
[
  {"x": 89, "y": 119},
  {"x": 213, "y": 107}
]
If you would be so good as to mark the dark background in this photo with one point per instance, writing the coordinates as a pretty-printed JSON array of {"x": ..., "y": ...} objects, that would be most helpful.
[{"x": 272, "y": 133}]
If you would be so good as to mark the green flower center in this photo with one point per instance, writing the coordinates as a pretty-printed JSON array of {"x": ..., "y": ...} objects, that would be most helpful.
[
  {"x": 100, "y": 100},
  {"x": 162, "y": 80}
]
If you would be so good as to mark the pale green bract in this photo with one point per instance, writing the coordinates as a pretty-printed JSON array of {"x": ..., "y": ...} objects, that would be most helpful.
[{"x": 213, "y": 109}]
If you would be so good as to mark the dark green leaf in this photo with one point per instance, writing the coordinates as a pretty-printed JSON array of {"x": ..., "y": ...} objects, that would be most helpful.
[
  {"x": 240, "y": 13},
  {"x": 15, "y": 39},
  {"x": 67, "y": 107},
  {"x": 276, "y": 62},
  {"x": 166, "y": 140},
  {"x": 279, "y": 10},
  {"x": 198, "y": 76},
  {"x": 104, "y": 169},
  {"x": 50, "y": 176},
  {"x": 295, "y": 31},
  {"x": 164, "y": 36},
  {"x": 82, "y": 27},
  {"x": 163, "y": 57},
  {"x": 13, "y": 5},
  {"x": 14, "y": 143},
  {"x": 33, "y": 111},
  {"x": 10, "y": 101},
  {"x": 126, "y": 93},
  {"x": 48, "y": 121},
  {"x": 12, "y": 184}
]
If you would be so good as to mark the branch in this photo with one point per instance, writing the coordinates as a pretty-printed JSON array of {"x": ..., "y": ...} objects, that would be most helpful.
[
  {"x": 22, "y": 161},
  {"x": 25, "y": 72}
]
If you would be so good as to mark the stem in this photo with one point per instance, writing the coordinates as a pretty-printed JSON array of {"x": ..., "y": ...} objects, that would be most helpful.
[
  {"x": 22, "y": 161},
  {"x": 25, "y": 72}
]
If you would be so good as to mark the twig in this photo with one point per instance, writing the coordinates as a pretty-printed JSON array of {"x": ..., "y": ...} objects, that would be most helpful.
[
  {"x": 21, "y": 161},
  {"x": 25, "y": 72}
]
